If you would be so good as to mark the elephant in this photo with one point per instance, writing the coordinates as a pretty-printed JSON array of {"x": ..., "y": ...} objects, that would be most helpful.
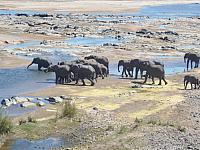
[
  {"x": 96, "y": 66},
  {"x": 104, "y": 70},
  {"x": 139, "y": 65},
  {"x": 153, "y": 71},
  {"x": 82, "y": 72},
  {"x": 63, "y": 73},
  {"x": 192, "y": 80},
  {"x": 100, "y": 59},
  {"x": 40, "y": 62},
  {"x": 190, "y": 57},
  {"x": 127, "y": 67}
]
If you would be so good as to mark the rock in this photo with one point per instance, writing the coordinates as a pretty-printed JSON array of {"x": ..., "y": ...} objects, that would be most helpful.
[
  {"x": 65, "y": 97},
  {"x": 144, "y": 31},
  {"x": 39, "y": 98},
  {"x": 41, "y": 103},
  {"x": 28, "y": 104},
  {"x": 19, "y": 99},
  {"x": 30, "y": 99},
  {"x": 6, "y": 102},
  {"x": 55, "y": 100}
]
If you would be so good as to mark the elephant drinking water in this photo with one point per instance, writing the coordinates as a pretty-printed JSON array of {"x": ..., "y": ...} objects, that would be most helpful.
[{"x": 40, "y": 62}]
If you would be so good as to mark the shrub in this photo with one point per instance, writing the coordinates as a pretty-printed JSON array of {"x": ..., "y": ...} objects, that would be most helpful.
[
  {"x": 31, "y": 119},
  {"x": 69, "y": 110},
  {"x": 5, "y": 124}
]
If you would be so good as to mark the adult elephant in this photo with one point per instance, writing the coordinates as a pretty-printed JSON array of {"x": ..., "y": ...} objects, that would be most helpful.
[
  {"x": 154, "y": 71},
  {"x": 191, "y": 57},
  {"x": 127, "y": 67},
  {"x": 63, "y": 73},
  {"x": 97, "y": 66},
  {"x": 82, "y": 72},
  {"x": 40, "y": 62},
  {"x": 138, "y": 64},
  {"x": 100, "y": 59}
]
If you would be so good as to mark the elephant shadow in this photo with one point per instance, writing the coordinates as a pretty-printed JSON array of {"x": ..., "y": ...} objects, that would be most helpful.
[
  {"x": 122, "y": 78},
  {"x": 141, "y": 82}
]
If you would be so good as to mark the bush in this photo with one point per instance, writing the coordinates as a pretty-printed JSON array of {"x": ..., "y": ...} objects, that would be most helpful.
[
  {"x": 5, "y": 124},
  {"x": 69, "y": 110},
  {"x": 31, "y": 119}
]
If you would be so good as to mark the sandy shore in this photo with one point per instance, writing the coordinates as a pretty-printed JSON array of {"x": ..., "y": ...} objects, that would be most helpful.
[
  {"x": 86, "y": 6},
  {"x": 11, "y": 61}
]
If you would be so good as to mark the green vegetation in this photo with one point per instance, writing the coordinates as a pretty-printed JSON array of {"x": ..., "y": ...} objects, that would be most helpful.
[
  {"x": 5, "y": 124},
  {"x": 69, "y": 110}
]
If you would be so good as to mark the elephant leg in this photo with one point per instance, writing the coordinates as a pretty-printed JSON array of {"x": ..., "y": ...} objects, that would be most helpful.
[
  {"x": 126, "y": 70},
  {"x": 39, "y": 67},
  {"x": 186, "y": 84},
  {"x": 136, "y": 73},
  {"x": 164, "y": 80},
  {"x": 102, "y": 75},
  {"x": 76, "y": 81},
  {"x": 129, "y": 73},
  {"x": 146, "y": 76},
  {"x": 92, "y": 82},
  {"x": 160, "y": 81},
  {"x": 56, "y": 79},
  {"x": 153, "y": 82},
  {"x": 191, "y": 64},
  {"x": 123, "y": 72},
  {"x": 141, "y": 73},
  {"x": 83, "y": 82},
  {"x": 188, "y": 64},
  {"x": 195, "y": 86}
]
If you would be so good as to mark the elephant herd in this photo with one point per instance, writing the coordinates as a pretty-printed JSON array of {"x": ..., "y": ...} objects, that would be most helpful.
[
  {"x": 91, "y": 67},
  {"x": 153, "y": 69}
]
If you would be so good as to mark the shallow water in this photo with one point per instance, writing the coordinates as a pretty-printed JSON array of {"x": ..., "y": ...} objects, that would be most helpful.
[
  {"x": 14, "y": 12},
  {"x": 23, "y": 144},
  {"x": 91, "y": 41},
  {"x": 18, "y": 81},
  {"x": 168, "y": 11}
]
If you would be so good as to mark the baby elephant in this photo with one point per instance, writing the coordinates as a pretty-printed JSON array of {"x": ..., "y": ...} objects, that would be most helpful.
[{"x": 192, "y": 80}]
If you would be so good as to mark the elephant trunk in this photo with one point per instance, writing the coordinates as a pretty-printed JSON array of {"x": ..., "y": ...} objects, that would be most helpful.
[{"x": 29, "y": 65}]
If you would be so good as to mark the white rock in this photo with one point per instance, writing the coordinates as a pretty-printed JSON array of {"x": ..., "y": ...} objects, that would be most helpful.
[
  {"x": 20, "y": 99},
  {"x": 28, "y": 104},
  {"x": 55, "y": 100},
  {"x": 41, "y": 103}
]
